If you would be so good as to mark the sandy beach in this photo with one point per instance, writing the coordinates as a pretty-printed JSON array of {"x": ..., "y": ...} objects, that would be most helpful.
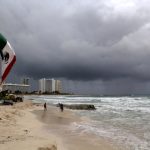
[{"x": 27, "y": 126}]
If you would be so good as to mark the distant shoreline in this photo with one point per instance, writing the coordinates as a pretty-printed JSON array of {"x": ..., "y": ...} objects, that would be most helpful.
[{"x": 88, "y": 95}]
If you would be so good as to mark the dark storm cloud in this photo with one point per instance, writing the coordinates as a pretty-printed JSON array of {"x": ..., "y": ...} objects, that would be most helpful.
[{"x": 79, "y": 40}]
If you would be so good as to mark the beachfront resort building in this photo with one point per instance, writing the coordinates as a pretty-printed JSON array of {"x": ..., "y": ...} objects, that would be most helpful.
[
  {"x": 49, "y": 85},
  {"x": 12, "y": 88}
]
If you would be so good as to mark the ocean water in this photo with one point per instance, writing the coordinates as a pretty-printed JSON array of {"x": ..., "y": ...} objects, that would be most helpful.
[{"x": 124, "y": 120}]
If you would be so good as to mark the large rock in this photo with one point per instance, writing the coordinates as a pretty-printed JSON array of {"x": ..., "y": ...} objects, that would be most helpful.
[
  {"x": 18, "y": 99},
  {"x": 7, "y": 102},
  {"x": 81, "y": 106}
]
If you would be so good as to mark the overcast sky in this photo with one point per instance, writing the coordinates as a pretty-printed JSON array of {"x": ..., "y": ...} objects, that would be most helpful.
[{"x": 94, "y": 46}]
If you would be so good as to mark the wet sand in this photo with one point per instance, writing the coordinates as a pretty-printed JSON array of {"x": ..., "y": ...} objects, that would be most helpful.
[{"x": 59, "y": 123}]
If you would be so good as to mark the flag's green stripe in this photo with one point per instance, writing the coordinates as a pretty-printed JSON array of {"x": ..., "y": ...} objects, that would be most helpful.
[{"x": 3, "y": 41}]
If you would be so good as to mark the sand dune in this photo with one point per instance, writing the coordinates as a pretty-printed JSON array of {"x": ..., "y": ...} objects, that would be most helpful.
[{"x": 19, "y": 129}]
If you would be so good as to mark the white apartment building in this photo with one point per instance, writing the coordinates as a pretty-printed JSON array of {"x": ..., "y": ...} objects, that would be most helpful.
[
  {"x": 46, "y": 85},
  {"x": 15, "y": 87},
  {"x": 25, "y": 80},
  {"x": 49, "y": 85},
  {"x": 58, "y": 86}
]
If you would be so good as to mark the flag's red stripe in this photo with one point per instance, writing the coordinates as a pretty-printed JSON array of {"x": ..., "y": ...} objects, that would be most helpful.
[{"x": 8, "y": 68}]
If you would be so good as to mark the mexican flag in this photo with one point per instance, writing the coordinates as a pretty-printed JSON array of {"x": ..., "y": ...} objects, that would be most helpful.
[{"x": 8, "y": 57}]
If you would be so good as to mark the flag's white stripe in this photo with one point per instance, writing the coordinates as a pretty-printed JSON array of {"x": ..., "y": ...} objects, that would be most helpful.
[{"x": 6, "y": 64}]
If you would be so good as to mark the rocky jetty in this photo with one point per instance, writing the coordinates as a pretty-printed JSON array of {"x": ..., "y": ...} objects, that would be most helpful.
[{"x": 80, "y": 106}]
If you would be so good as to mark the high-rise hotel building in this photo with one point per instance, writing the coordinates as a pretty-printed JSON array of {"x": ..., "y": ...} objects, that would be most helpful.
[
  {"x": 49, "y": 85},
  {"x": 58, "y": 86},
  {"x": 25, "y": 81}
]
